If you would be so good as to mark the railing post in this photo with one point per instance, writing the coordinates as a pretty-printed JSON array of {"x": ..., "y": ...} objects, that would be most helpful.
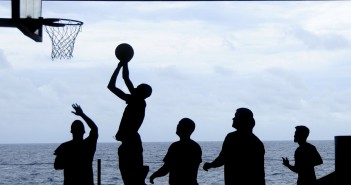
[
  {"x": 99, "y": 172},
  {"x": 343, "y": 160}
]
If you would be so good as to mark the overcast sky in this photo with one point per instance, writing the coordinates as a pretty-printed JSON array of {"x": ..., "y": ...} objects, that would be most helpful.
[{"x": 289, "y": 62}]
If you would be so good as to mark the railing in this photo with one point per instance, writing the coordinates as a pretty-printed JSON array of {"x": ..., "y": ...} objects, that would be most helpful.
[{"x": 99, "y": 172}]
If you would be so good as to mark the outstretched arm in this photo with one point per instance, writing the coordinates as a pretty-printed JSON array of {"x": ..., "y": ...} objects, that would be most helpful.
[
  {"x": 214, "y": 164},
  {"x": 90, "y": 123},
  {"x": 112, "y": 84},
  {"x": 219, "y": 161},
  {"x": 164, "y": 170},
  {"x": 126, "y": 78}
]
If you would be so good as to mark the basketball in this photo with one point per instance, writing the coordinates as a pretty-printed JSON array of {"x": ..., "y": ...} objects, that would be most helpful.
[{"x": 124, "y": 52}]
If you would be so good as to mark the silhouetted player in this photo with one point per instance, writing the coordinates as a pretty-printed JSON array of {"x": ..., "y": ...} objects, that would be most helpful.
[
  {"x": 306, "y": 158},
  {"x": 183, "y": 157},
  {"x": 131, "y": 151},
  {"x": 75, "y": 157},
  {"x": 242, "y": 153}
]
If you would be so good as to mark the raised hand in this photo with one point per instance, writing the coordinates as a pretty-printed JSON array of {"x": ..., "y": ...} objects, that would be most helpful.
[
  {"x": 121, "y": 64},
  {"x": 78, "y": 110},
  {"x": 285, "y": 161}
]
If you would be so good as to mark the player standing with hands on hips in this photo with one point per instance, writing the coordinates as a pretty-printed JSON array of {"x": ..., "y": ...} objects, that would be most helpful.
[{"x": 131, "y": 151}]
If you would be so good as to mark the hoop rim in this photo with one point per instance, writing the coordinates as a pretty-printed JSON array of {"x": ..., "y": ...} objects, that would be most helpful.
[{"x": 54, "y": 22}]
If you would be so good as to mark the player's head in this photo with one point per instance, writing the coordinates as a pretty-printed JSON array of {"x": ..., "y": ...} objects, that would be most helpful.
[
  {"x": 144, "y": 90},
  {"x": 77, "y": 128},
  {"x": 301, "y": 133},
  {"x": 243, "y": 119},
  {"x": 185, "y": 127}
]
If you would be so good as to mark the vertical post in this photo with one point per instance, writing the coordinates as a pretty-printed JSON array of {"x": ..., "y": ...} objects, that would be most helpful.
[
  {"x": 99, "y": 172},
  {"x": 343, "y": 160},
  {"x": 15, "y": 7}
]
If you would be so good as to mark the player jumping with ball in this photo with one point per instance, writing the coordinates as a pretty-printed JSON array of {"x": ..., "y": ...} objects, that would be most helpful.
[{"x": 131, "y": 151}]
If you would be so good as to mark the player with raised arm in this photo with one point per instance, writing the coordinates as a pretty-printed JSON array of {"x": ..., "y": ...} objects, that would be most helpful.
[
  {"x": 130, "y": 151},
  {"x": 75, "y": 157}
]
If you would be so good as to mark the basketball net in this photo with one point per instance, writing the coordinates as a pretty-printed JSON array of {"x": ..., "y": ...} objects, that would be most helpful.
[{"x": 63, "y": 35}]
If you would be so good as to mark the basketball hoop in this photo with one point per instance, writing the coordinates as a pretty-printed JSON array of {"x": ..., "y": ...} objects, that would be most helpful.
[{"x": 63, "y": 33}]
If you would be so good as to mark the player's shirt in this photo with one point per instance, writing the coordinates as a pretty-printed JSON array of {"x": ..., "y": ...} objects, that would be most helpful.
[
  {"x": 132, "y": 119},
  {"x": 243, "y": 158},
  {"x": 306, "y": 158},
  {"x": 76, "y": 159},
  {"x": 183, "y": 158}
]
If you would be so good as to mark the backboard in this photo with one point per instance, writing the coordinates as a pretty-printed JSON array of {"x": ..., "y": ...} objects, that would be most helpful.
[{"x": 27, "y": 14}]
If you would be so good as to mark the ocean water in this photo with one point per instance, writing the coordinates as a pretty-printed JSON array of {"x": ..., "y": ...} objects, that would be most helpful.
[{"x": 32, "y": 164}]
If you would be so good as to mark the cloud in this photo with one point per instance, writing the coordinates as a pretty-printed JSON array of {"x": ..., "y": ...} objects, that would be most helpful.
[{"x": 328, "y": 41}]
